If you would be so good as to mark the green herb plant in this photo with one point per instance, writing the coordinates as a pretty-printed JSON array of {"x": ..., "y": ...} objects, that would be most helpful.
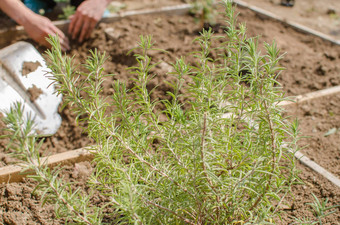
[
  {"x": 68, "y": 203},
  {"x": 205, "y": 11},
  {"x": 67, "y": 9},
  {"x": 321, "y": 210},
  {"x": 218, "y": 156}
]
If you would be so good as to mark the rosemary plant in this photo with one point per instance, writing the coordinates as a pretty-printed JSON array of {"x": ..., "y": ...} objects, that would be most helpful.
[
  {"x": 219, "y": 156},
  {"x": 205, "y": 11}
]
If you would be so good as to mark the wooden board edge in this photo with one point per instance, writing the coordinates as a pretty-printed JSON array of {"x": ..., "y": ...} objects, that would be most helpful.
[
  {"x": 311, "y": 96},
  {"x": 12, "y": 173},
  {"x": 317, "y": 168}
]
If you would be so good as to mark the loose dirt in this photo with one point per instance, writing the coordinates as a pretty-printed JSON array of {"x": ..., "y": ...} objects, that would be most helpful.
[
  {"x": 29, "y": 67},
  {"x": 320, "y": 123},
  {"x": 311, "y": 64},
  {"x": 323, "y": 16},
  {"x": 34, "y": 93}
]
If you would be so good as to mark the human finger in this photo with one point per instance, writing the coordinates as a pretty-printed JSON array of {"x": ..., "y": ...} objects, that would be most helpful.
[
  {"x": 92, "y": 26},
  {"x": 74, "y": 21},
  {"x": 77, "y": 26},
  {"x": 84, "y": 29},
  {"x": 65, "y": 45},
  {"x": 64, "y": 42}
]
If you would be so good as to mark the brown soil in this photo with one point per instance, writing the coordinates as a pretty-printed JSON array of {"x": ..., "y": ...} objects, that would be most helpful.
[
  {"x": 323, "y": 16},
  {"x": 34, "y": 93},
  {"x": 311, "y": 63},
  {"x": 29, "y": 67},
  {"x": 319, "y": 121},
  {"x": 295, "y": 205},
  {"x": 19, "y": 204}
]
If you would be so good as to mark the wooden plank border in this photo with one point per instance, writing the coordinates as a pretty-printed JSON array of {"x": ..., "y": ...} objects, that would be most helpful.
[
  {"x": 317, "y": 168},
  {"x": 12, "y": 173},
  {"x": 311, "y": 96}
]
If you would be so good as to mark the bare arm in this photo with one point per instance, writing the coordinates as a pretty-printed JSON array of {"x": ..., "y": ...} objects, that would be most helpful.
[
  {"x": 86, "y": 17},
  {"x": 37, "y": 27},
  {"x": 16, "y": 10}
]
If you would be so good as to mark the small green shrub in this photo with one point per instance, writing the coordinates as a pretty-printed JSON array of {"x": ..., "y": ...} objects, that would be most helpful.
[
  {"x": 217, "y": 158},
  {"x": 68, "y": 11},
  {"x": 205, "y": 11}
]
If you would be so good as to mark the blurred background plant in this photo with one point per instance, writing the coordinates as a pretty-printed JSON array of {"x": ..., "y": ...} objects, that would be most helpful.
[
  {"x": 66, "y": 8},
  {"x": 204, "y": 11}
]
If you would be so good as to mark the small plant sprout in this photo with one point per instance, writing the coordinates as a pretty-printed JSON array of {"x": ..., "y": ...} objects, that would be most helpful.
[
  {"x": 303, "y": 221},
  {"x": 321, "y": 210},
  {"x": 219, "y": 155}
]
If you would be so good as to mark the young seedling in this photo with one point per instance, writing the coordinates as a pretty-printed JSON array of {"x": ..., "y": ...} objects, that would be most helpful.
[{"x": 321, "y": 210}]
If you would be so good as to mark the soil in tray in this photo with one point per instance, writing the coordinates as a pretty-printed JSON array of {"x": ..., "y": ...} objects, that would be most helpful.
[
  {"x": 311, "y": 65},
  {"x": 319, "y": 121}
]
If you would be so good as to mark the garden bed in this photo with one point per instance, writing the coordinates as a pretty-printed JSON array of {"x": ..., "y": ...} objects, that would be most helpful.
[
  {"x": 319, "y": 122},
  {"x": 323, "y": 16},
  {"x": 312, "y": 64}
]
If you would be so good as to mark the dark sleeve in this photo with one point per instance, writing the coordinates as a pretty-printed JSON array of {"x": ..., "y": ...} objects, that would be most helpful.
[{"x": 76, "y": 3}]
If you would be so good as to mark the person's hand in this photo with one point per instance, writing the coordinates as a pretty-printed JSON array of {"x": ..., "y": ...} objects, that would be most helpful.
[
  {"x": 39, "y": 27},
  {"x": 86, "y": 17}
]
